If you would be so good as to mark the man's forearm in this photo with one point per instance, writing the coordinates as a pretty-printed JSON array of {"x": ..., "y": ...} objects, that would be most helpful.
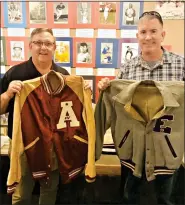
[{"x": 5, "y": 99}]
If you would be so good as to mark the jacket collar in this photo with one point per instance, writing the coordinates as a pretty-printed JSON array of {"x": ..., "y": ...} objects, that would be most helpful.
[
  {"x": 125, "y": 96},
  {"x": 53, "y": 82}
]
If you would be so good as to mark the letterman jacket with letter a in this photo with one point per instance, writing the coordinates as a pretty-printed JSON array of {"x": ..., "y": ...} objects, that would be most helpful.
[
  {"x": 147, "y": 124},
  {"x": 53, "y": 112}
]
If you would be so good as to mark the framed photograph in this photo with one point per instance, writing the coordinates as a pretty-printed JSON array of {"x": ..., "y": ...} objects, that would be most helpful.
[
  {"x": 84, "y": 13},
  {"x": 84, "y": 52},
  {"x": 129, "y": 14},
  {"x": 15, "y": 14},
  {"x": 107, "y": 14},
  {"x": 128, "y": 49},
  {"x": 37, "y": 14},
  {"x": 63, "y": 54},
  {"x": 61, "y": 14},
  {"x": 91, "y": 81},
  {"x": 106, "y": 53},
  {"x": 17, "y": 50},
  {"x": 97, "y": 79},
  {"x": 170, "y": 9},
  {"x": 3, "y": 51}
]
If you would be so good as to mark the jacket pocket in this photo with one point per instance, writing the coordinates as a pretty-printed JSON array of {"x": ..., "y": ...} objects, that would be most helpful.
[
  {"x": 31, "y": 144},
  {"x": 170, "y": 146},
  {"x": 124, "y": 139},
  {"x": 80, "y": 139}
]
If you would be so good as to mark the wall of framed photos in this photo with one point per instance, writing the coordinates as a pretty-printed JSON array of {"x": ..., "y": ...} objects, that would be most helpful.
[{"x": 92, "y": 37}]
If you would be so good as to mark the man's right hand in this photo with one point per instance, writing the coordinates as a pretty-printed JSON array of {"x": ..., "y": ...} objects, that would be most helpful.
[
  {"x": 14, "y": 88},
  {"x": 103, "y": 83}
]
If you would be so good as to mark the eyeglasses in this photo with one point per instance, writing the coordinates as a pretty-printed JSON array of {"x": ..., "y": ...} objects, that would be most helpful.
[
  {"x": 41, "y": 43},
  {"x": 152, "y": 13}
]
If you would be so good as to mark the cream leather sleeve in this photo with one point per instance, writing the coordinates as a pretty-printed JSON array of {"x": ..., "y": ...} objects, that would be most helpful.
[
  {"x": 90, "y": 170},
  {"x": 17, "y": 147}
]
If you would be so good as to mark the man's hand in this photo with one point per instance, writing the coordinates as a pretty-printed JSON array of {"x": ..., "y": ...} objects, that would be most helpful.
[
  {"x": 103, "y": 83},
  {"x": 14, "y": 88},
  {"x": 87, "y": 85}
]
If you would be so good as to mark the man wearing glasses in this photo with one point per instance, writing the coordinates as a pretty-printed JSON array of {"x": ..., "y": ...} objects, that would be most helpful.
[
  {"x": 153, "y": 63},
  {"x": 42, "y": 47}
]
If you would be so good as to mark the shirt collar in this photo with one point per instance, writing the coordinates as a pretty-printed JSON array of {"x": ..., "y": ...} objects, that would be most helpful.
[
  {"x": 51, "y": 85},
  {"x": 165, "y": 59}
]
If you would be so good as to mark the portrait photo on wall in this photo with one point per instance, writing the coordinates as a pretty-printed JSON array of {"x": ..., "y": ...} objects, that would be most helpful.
[
  {"x": 107, "y": 14},
  {"x": 106, "y": 53},
  {"x": 84, "y": 52},
  {"x": 170, "y": 9},
  {"x": 37, "y": 14},
  {"x": 16, "y": 50},
  {"x": 60, "y": 14},
  {"x": 15, "y": 14},
  {"x": 3, "y": 51},
  {"x": 129, "y": 14},
  {"x": 63, "y": 52},
  {"x": 91, "y": 82},
  {"x": 128, "y": 49},
  {"x": 85, "y": 14}
]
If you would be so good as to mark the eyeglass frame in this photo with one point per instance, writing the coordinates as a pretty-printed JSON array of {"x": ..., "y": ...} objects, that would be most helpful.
[
  {"x": 43, "y": 43},
  {"x": 155, "y": 14}
]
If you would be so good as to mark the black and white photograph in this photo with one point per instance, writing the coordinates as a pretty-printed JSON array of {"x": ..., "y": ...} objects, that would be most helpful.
[
  {"x": 84, "y": 52},
  {"x": 15, "y": 14},
  {"x": 60, "y": 12},
  {"x": 17, "y": 50},
  {"x": 128, "y": 51},
  {"x": 131, "y": 11},
  {"x": 37, "y": 12},
  {"x": 84, "y": 13},
  {"x": 170, "y": 9}
]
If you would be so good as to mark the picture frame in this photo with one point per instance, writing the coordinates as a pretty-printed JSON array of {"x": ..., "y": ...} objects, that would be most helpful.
[
  {"x": 37, "y": 14},
  {"x": 60, "y": 14},
  {"x": 63, "y": 54},
  {"x": 14, "y": 14},
  {"x": 84, "y": 52},
  {"x": 84, "y": 13},
  {"x": 97, "y": 79},
  {"x": 107, "y": 15},
  {"x": 129, "y": 14},
  {"x": 128, "y": 48},
  {"x": 106, "y": 53},
  {"x": 91, "y": 81},
  {"x": 17, "y": 50}
]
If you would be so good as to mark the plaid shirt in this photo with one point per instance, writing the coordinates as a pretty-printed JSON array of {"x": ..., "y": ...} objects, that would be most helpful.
[{"x": 170, "y": 68}]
